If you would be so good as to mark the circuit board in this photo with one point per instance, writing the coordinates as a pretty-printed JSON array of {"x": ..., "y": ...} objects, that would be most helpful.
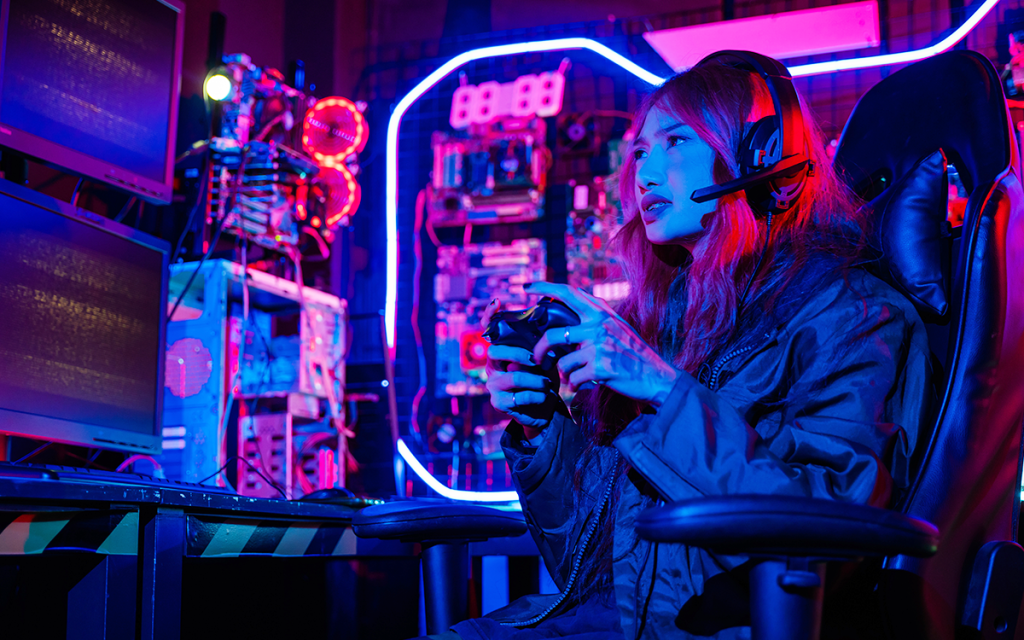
[
  {"x": 468, "y": 278},
  {"x": 593, "y": 220},
  {"x": 488, "y": 174}
]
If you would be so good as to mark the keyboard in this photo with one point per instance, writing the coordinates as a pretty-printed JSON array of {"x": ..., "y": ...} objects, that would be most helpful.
[{"x": 96, "y": 476}]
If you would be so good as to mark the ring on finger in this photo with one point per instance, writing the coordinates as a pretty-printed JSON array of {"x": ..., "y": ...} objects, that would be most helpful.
[
  {"x": 514, "y": 404},
  {"x": 567, "y": 335}
]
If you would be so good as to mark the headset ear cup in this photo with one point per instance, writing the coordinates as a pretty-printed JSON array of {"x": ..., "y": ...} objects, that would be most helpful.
[
  {"x": 761, "y": 147},
  {"x": 768, "y": 140}
]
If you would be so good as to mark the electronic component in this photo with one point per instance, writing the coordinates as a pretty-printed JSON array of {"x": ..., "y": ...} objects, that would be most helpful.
[
  {"x": 468, "y": 278},
  {"x": 230, "y": 344},
  {"x": 287, "y": 352},
  {"x": 280, "y": 454},
  {"x": 538, "y": 95},
  {"x": 281, "y": 192},
  {"x": 593, "y": 220},
  {"x": 264, "y": 200},
  {"x": 576, "y": 135},
  {"x": 490, "y": 173},
  {"x": 257, "y": 117},
  {"x": 334, "y": 131},
  {"x": 255, "y": 103},
  {"x": 265, "y": 456}
]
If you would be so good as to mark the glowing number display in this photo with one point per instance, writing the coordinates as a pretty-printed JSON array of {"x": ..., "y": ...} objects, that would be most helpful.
[
  {"x": 462, "y": 103},
  {"x": 486, "y": 101},
  {"x": 550, "y": 89},
  {"x": 529, "y": 95}
]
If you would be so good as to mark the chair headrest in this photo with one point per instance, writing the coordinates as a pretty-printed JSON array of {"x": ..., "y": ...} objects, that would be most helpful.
[
  {"x": 953, "y": 101},
  {"x": 913, "y": 235}
]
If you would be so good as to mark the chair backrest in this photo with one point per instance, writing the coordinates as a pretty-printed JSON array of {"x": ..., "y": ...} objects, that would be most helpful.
[{"x": 967, "y": 478}]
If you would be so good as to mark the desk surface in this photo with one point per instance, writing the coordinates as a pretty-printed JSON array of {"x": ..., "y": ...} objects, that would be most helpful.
[{"x": 47, "y": 492}]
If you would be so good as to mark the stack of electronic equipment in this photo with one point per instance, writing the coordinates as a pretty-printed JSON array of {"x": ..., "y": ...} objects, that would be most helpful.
[
  {"x": 274, "y": 353},
  {"x": 255, "y": 360},
  {"x": 281, "y": 168},
  {"x": 489, "y": 181}
]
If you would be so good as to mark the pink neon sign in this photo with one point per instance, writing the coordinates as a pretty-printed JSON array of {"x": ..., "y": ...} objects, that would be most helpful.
[{"x": 779, "y": 35}]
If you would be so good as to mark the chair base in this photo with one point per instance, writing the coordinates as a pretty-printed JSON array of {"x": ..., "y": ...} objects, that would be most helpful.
[
  {"x": 786, "y": 596},
  {"x": 445, "y": 584}
]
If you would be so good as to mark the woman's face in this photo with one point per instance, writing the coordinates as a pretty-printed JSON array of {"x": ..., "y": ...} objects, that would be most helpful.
[{"x": 671, "y": 163}]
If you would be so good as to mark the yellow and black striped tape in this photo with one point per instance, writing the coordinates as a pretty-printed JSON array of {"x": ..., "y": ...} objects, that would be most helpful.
[
  {"x": 231, "y": 538},
  {"x": 88, "y": 531}
]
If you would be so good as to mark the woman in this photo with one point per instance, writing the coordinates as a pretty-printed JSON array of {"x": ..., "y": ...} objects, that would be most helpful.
[{"x": 806, "y": 376}]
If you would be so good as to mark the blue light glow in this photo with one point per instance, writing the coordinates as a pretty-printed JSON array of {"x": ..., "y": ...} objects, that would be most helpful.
[
  {"x": 391, "y": 181},
  {"x": 447, "y": 492},
  {"x": 563, "y": 44}
]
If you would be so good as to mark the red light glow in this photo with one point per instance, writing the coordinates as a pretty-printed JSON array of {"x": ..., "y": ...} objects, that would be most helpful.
[
  {"x": 333, "y": 130},
  {"x": 344, "y": 193}
]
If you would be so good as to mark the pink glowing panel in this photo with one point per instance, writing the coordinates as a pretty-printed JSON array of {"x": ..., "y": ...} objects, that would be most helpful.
[{"x": 779, "y": 35}]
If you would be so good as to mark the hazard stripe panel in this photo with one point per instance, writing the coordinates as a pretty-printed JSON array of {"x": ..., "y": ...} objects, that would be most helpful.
[
  {"x": 210, "y": 537},
  {"x": 83, "y": 531}
]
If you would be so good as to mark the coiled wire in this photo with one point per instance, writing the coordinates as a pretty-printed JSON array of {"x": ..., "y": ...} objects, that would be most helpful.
[{"x": 578, "y": 561}]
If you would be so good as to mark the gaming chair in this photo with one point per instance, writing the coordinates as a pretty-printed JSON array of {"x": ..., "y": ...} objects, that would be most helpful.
[{"x": 968, "y": 285}]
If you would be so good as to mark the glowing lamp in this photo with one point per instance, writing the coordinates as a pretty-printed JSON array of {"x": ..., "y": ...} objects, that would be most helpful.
[{"x": 218, "y": 86}]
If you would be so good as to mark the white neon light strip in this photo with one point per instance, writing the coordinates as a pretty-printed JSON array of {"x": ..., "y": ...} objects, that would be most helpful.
[
  {"x": 391, "y": 184},
  {"x": 448, "y": 492},
  {"x": 942, "y": 46},
  {"x": 391, "y": 179},
  {"x": 563, "y": 44}
]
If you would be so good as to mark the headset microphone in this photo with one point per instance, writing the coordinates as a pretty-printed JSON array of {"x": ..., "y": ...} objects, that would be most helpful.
[
  {"x": 786, "y": 168},
  {"x": 772, "y": 156}
]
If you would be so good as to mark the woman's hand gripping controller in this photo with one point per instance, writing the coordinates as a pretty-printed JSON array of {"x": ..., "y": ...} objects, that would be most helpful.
[{"x": 518, "y": 386}]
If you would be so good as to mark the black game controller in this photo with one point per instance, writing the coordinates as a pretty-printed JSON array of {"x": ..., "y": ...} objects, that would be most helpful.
[{"x": 524, "y": 328}]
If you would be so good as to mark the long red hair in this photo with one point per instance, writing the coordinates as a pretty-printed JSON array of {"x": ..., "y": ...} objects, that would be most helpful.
[{"x": 688, "y": 305}]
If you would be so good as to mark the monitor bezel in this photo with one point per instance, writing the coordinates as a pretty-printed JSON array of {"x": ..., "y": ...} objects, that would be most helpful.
[
  {"x": 82, "y": 433},
  {"x": 82, "y": 164}
]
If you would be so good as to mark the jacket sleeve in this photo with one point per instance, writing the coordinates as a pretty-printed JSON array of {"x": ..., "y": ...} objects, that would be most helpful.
[
  {"x": 852, "y": 390},
  {"x": 544, "y": 480}
]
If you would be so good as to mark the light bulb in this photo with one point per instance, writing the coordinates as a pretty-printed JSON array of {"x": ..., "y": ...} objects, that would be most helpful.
[{"x": 218, "y": 86}]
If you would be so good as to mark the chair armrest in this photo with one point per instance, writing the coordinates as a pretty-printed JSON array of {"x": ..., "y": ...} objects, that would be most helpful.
[
  {"x": 788, "y": 526},
  {"x": 433, "y": 521}
]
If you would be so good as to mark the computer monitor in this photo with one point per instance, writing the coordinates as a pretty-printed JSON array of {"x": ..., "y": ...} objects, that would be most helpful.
[
  {"x": 91, "y": 86},
  {"x": 82, "y": 325}
]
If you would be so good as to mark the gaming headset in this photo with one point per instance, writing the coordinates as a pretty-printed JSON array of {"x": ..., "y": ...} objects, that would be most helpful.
[{"x": 772, "y": 157}]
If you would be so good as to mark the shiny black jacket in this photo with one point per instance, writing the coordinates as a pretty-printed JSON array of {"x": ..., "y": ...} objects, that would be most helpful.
[{"x": 824, "y": 398}]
